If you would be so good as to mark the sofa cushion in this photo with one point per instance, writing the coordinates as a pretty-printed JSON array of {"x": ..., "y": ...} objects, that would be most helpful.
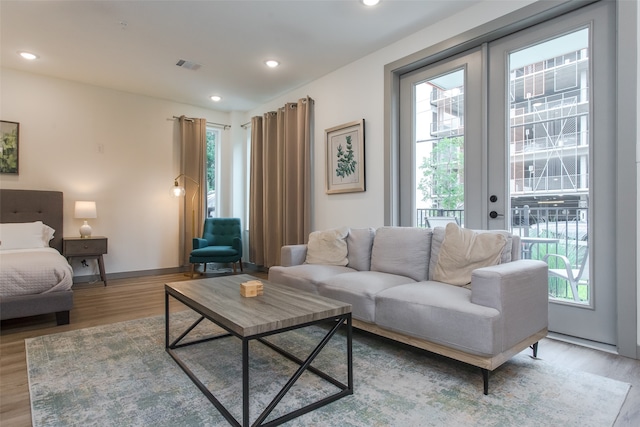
[
  {"x": 328, "y": 247},
  {"x": 306, "y": 276},
  {"x": 464, "y": 250},
  {"x": 214, "y": 251},
  {"x": 402, "y": 250},
  {"x": 442, "y": 314},
  {"x": 359, "y": 243},
  {"x": 359, "y": 289},
  {"x": 438, "y": 238}
]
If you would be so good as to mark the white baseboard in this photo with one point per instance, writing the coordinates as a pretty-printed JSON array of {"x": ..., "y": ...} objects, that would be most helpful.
[{"x": 583, "y": 342}]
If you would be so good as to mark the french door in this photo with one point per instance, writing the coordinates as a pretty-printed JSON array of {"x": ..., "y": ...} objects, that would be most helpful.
[
  {"x": 439, "y": 104},
  {"x": 511, "y": 135}
]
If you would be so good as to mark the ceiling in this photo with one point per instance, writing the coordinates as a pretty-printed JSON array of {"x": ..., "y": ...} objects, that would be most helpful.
[{"x": 133, "y": 46}]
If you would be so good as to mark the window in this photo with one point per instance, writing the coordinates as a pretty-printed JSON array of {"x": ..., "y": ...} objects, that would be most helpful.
[{"x": 213, "y": 136}]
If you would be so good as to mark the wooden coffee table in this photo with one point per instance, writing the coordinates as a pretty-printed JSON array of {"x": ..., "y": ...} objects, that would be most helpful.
[{"x": 279, "y": 309}]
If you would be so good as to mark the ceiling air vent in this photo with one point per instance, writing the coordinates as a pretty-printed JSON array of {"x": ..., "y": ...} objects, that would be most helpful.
[{"x": 189, "y": 65}]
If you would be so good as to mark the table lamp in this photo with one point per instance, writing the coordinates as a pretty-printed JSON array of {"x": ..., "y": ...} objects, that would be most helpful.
[{"x": 85, "y": 210}]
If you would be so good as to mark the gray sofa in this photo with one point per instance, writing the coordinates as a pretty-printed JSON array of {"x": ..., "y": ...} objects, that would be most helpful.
[{"x": 388, "y": 280}]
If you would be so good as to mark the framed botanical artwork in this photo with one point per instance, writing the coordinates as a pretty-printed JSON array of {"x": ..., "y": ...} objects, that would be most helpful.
[
  {"x": 345, "y": 158},
  {"x": 9, "y": 147}
]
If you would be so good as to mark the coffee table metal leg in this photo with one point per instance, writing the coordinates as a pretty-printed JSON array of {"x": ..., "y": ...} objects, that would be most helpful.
[
  {"x": 305, "y": 365},
  {"x": 169, "y": 347},
  {"x": 350, "y": 354},
  {"x": 245, "y": 382},
  {"x": 166, "y": 320}
]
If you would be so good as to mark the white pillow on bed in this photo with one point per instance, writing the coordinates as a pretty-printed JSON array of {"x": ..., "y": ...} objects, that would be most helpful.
[
  {"x": 25, "y": 235},
  {"x": 47, "y": 235}
]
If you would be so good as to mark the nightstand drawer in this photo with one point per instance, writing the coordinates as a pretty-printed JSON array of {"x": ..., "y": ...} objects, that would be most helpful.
[{"x": 79, "y": 247}]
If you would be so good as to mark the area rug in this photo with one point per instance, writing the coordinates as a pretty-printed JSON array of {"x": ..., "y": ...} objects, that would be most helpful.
[{"x": 120, "y": 375}]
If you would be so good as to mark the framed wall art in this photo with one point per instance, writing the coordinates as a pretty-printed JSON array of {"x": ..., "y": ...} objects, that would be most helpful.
[
  {"x": 9, "y": 147},
  {"x": 345, "y": 158}
]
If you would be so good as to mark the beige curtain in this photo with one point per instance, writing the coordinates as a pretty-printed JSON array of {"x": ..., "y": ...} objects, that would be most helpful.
[
  {"x": 193, "y": 134},
  {"x": 280, "y": 187}
]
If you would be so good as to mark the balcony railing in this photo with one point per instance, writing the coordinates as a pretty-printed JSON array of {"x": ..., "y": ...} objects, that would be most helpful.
[
  {"x": 568, "y": 225},
  {"x": 423, "y": 214},
  {"x": 564, "y": 231}
]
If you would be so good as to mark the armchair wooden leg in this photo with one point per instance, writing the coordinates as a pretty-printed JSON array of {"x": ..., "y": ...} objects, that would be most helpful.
[
  {"x": 241, "y": 270},
  {"x": 234, "y": 267},
  {"x": 193, "y": 269}
]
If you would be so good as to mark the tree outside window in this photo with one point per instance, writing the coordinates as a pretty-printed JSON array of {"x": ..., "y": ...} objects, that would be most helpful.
[{"x": 442, "y": 180}]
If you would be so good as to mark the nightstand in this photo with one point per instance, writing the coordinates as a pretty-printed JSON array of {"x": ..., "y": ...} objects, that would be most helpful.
[{"x": 91, "y": 247}]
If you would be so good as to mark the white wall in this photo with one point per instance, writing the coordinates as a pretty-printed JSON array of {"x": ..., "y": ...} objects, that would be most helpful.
[
  {"x": 357, "y": 91},
  {"x": 63, "y": 128}
]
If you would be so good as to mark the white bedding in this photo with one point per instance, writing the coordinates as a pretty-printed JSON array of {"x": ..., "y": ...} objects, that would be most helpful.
[{"x": 33, "y": 271}]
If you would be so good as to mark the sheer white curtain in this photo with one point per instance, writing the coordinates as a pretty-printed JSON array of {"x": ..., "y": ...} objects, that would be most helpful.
[{"x": 280, "y": 187}]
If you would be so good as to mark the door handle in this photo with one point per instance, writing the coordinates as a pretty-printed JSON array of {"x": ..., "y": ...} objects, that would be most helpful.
[{"x": 494, "y": 214}]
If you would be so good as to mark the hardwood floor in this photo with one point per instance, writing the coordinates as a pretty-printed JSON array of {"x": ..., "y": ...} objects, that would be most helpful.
[{"x": 128, "y": 299}]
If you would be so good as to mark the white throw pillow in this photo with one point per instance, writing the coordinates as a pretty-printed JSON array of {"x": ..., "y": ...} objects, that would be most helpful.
[
  {"x": 328, "y": 247},
  {"x": 438, "y": 238},
  {"x": 23, "y": 235},
  {"x": 463, "y": 250}
]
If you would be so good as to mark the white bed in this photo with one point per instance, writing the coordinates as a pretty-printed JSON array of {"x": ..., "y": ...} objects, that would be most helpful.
[
  {"x": 33, "y": 271},
  {"x": 34, "y": 277}
]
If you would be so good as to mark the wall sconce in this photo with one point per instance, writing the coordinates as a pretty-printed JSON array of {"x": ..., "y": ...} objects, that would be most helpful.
[{"x": 85, "y": 210}]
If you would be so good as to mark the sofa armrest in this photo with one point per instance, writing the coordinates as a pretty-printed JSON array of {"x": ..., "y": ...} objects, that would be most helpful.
[
  {"x": 293, "y": 255},
  {"x": 521, "y": 281},
  {"x": 519, "y": 290}
]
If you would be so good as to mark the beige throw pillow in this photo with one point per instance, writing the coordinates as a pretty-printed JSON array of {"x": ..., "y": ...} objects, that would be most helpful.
[
  {"x": 464, "y": 250},
  {"x": 328, "y": 247}
]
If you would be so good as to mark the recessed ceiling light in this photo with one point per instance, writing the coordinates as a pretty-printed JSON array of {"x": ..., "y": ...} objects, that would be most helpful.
[
  {"x": 216, "y": 98},
  {"x": 271, "y": 63},
  {"x": 370, "y": 2},
  {"x": 28, "y": 55}
]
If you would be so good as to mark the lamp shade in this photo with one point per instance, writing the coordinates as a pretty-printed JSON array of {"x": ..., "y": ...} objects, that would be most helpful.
[{"x": 85, "y": 209}]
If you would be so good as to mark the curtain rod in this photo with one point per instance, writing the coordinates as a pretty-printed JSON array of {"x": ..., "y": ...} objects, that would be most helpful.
[
  {"x": 209, "y": 123},
  {"x": 244, "y": 126}
]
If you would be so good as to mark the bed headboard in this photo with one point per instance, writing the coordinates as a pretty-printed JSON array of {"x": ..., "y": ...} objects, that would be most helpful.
[{"x": 34, "y": 205}]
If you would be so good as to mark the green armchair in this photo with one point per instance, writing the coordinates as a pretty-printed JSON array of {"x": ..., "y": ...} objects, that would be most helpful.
[{"x": 221, "y": 242}]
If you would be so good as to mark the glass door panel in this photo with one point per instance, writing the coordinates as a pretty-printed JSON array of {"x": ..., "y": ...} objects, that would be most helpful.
[
  {"x": 548, "y": 141},
  {"x": 551, "y": 117},
  {"x": 439, "y": 102},
  {"x": 439, "y": 148}
]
